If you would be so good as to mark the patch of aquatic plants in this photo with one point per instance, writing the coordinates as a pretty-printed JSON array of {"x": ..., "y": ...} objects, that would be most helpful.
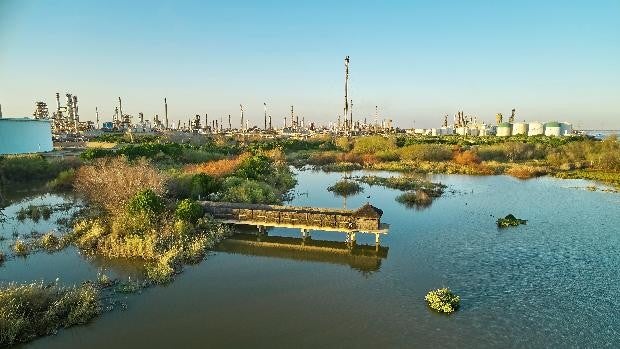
[
  {"x": 418, "y": 199},
  {"x": 442, "y": 300},
  {"x": 34, "y": 212},
  {"x": 405, "y": 183},
  {"x": 21, "y": 248},
  {"x": 510, "y": 221},
  {"x": 345, "y": 188},
  {"x": 31, "y": 310}
]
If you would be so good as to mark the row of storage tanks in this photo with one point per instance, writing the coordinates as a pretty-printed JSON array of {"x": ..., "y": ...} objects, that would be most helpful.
[{"x": 552, "y": 128}]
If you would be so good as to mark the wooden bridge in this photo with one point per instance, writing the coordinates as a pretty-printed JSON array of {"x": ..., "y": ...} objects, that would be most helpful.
[{"x": 366, "y": 219}]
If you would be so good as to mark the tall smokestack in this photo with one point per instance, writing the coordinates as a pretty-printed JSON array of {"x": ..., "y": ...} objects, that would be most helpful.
[
  {"x": 265, "y": 105},
  {"x": 229, "y": 123},
  {"x": 0, "y": 111},
  {"x": 346, "y": 87},
  {"x": 270, "y": 125},
  {"x": 241, "y": 106},
  {"x": 97, "y": 116},
  {"x": 58, "y": 101},
  {"x": 166, "y": 112},
  {"x": 206, "y": 120},
  {"x": 120, "y": 108}
]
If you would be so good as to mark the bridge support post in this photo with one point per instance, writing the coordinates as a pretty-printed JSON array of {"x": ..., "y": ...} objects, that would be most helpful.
[
  {"x": 261, "y": 229},
  {"x": 305, "y": 233},
  {"x": 377, "y": 242},
  {"x": 351, "y": 239}
]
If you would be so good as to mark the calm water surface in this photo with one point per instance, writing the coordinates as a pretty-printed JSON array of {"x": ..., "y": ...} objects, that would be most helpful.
[{"x": 550, "y": 283}]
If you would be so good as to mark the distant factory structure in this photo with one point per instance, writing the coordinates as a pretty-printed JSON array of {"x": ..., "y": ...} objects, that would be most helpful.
[{"x": 469, "y": 126}]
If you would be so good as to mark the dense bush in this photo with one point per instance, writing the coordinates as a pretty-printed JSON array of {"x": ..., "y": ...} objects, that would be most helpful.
[
  {"x": 189, "y": 211},
  {"x": 203, "y": 185},
  {"x": 373, "y": 144},
  {"x": 146, "y": 201},
  {"x": 236, "y": 189},
  {"x": 426, "y": 152},
  {"x": 33, "y": 168},
  {"x": 255, "y": 167}
]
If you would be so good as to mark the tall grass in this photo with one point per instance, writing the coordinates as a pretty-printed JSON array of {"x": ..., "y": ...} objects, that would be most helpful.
[{"x": 31, "y": 310}]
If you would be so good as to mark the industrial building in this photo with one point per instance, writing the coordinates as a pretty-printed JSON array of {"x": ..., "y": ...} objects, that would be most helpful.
[{"x": 25, "y": 135}]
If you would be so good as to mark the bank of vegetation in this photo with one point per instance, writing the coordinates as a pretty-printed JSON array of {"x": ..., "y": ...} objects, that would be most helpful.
[
  {"x": 519, "y": 156},
  {"x": 31, "y": 310}
]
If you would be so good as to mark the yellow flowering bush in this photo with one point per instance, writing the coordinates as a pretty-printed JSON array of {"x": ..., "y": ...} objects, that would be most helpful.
[{"x": 442, "y": 300}]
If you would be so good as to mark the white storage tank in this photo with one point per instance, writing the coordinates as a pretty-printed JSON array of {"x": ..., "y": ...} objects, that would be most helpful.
[
  {"x": 461, "y": 131},
  {"x": 474, "y": 132},
  {"x": 535, "y": 129},
  {"x": 504, "y": 129},
  {"x": 24, "y": 135},
  {"x": 566, "y": 129},
  {"x": 552, "y": 128},
  {"x": 519, "y": 128}
]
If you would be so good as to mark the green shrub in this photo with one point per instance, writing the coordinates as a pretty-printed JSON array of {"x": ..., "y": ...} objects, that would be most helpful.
[
  {"x": 257, "y": 167},
  {"x": 27, "y": 168},
  {"x": 146, "y": 201},
  {"x": 442, "y": 300},
  {"x": 64, "y": 180},
  {"x": 189, "y": 211},
  {"x": 96, "y": 153},
  {"x": 236, "y": 189},
  {"x": 373, "y": 144},
  {"x": 202, "y": 185}
]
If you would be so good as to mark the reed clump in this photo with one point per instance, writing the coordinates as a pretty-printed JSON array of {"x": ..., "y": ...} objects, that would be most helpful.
[{"x": 31, "y": 310}]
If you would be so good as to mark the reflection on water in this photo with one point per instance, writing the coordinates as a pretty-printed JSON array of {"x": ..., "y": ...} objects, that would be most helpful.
[{"x": 365, "y": 258}]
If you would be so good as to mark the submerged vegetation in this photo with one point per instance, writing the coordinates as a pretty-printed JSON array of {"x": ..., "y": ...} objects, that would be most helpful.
[
  {"x": 510, "y": 221},
  {"x": 31, "y": 310},
  {"x": 442, "y": 300}
]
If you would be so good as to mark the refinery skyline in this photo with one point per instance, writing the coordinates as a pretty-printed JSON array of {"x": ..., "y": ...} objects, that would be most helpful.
[{"x": 417, "y": 62}]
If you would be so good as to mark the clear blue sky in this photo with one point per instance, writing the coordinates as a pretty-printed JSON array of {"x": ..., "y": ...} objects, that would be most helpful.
[{"x": 416, "y": 60}]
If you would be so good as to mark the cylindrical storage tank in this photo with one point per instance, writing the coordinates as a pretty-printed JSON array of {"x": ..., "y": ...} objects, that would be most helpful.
[
  {"x": 462, "y": 131},
  {"x": 504, "y": 129},
  {"x": 474, "y": 132},
  {"x": 535, "y": 129},
  {"x": 519, "y": 128},
  {"x": 566, "y": 129},
  {"x": 552, "y": 128},
  {"x": 24, "y": 135}
]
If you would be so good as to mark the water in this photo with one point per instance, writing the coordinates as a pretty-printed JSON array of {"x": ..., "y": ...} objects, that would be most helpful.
[{"x": 550, "y": 283}]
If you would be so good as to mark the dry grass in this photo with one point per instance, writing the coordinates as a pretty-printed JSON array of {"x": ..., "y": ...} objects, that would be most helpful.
[
  {"x": 219, "y": 168},
  {"x": 111, "y": 183},
  {"x": 526, "y": 171}
]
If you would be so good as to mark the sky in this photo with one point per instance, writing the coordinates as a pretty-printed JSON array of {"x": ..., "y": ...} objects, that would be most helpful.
[{"x": 415, "y": 60}]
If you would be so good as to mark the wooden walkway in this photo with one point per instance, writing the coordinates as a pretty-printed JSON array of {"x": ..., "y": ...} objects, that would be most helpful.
[{"x": 366, "y": 219}]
